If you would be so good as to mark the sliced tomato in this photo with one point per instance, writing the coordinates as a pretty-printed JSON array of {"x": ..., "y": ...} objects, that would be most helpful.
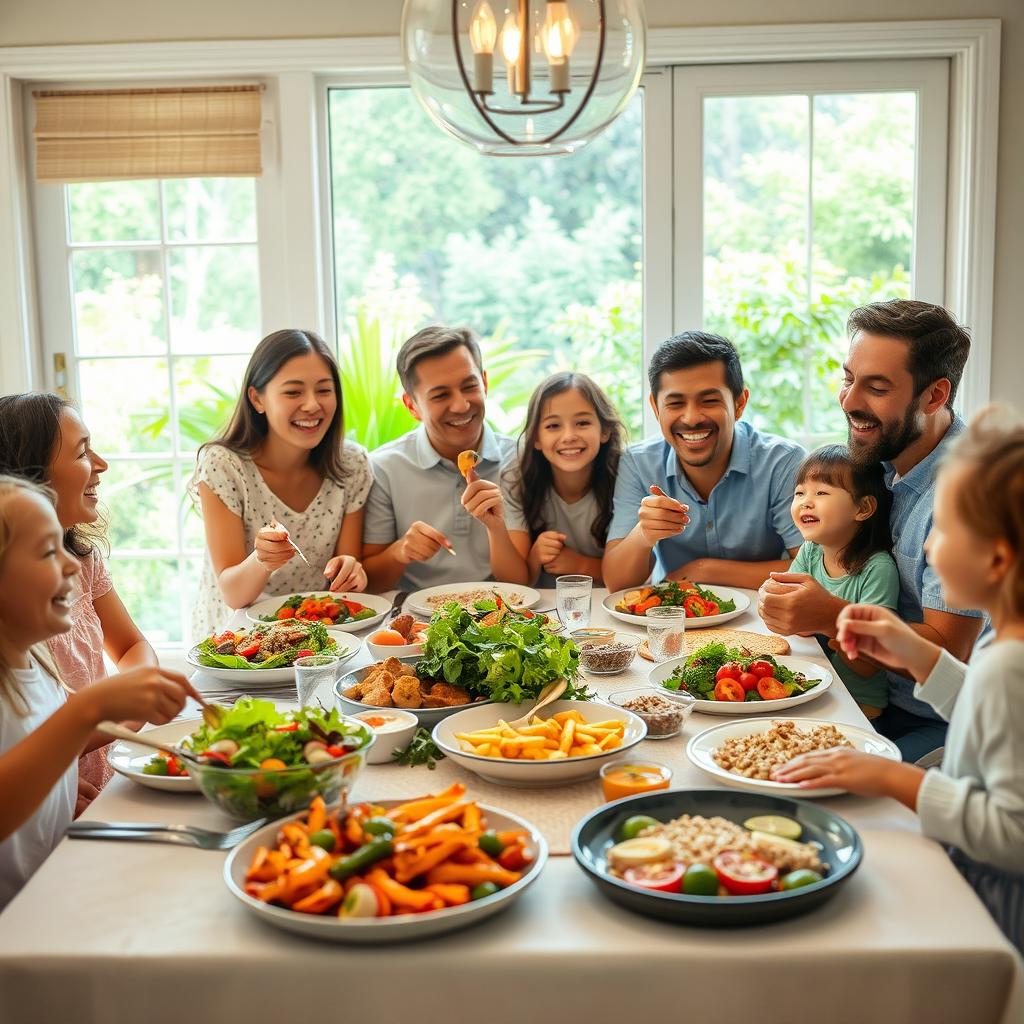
[
  {"x": 729, "y": 689},
  {"x": 710, "y": 607},
  {"x": 216, "y": 757},
  {"x": 354, "y": 607},
  {"x": 248, "y": 652},
  {"x": 743, "y": 874},
  {"x": 771, "y": 689},
  {"x": 286, "y": 727},
  {"x": 695, "y": 606},
  {"x": 748, "y": 681},
  {"x": 659, "y": 877}
]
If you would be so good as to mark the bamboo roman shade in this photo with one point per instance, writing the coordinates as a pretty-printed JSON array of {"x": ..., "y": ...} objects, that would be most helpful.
[{"x": 110, "y": 134}]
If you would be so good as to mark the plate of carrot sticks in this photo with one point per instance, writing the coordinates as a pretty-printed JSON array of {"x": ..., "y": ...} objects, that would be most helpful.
[{"x": 386, "y": 871}]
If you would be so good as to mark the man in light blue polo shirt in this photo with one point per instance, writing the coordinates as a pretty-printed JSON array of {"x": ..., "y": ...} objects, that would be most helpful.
[
  {"x": 424, "y": 524},
  {"x": 901, "y": 375},
  {"x": 710, "y": 498}
]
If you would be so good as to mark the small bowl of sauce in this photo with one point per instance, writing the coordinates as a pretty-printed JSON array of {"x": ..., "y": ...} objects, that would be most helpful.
[
  {"x": 628, "y": 778},
  {"x": 393, "y": 729}
]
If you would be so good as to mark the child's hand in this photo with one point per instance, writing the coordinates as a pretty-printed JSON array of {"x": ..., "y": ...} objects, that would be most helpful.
[
  {"x": 345, "y": 573},
  {"x": 273, "y": 548},
  {"x": 145, "y": 694},
  {"x": 868, "y": 630},
  {"x": 856, "y": 772},
  {"x": 548, "y": 546}
]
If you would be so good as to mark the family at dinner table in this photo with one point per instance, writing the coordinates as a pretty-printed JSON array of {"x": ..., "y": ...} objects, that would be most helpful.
[{"x": 901, "y": 551}]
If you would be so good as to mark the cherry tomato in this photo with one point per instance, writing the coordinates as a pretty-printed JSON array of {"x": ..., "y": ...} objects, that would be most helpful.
[
  {"x": 748, "y": 681},
  {"x": 733, "y": 669},
  {"x": 762, "y": 669},
  {"x": 744, "y": 874},
  {"x": 727, "y": 672},
  {"x": 304, "y": 653},
  {"x": 335, "y": 751},
  {"x": 659, "y": 877},
  {"x": 729, "y": 690},
  {"x": 770, "y": 689}
]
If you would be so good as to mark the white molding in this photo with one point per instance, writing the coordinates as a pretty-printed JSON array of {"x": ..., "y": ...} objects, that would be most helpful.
[{"x": 971, "y": 45}]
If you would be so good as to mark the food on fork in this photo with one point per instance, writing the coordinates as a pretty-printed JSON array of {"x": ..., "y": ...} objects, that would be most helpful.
[{"x": 467, "y": 461}]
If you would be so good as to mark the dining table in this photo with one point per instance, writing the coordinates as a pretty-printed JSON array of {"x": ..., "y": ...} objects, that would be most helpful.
[{"x": 107, "y": 931}]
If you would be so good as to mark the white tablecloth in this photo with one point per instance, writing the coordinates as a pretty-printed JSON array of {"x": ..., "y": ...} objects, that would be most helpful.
[{"x": 111, "y": 932}]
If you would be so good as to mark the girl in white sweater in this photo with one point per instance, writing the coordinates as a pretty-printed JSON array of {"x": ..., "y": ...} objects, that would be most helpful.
[{"x": 974, "y": 803}]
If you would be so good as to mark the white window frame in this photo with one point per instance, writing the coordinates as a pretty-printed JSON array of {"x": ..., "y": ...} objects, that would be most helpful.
[
  {"x": 928, "y": 79},
  {"x": 293, "y": 225}
]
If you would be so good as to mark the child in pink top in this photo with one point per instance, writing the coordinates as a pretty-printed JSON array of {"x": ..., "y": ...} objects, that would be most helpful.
[{"x": 43, "y": 438}]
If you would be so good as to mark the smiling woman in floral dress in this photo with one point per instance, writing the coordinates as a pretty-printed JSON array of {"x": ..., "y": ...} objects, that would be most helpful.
[{"x": 281, "y": 470}]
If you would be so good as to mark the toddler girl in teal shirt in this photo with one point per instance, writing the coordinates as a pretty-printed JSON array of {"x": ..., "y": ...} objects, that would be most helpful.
[{"x": 842, "y": 512}]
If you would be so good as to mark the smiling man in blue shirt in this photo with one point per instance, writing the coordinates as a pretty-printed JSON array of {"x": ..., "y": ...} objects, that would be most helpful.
[{"x": 710, "y": 498}]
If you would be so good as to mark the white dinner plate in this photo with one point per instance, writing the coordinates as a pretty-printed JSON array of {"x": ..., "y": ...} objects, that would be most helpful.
[
  {"x": 384, "y": 929},
  {"x": 753, "y": 707},
  {"x": 255, "y": 678},
  {"x": 381, "y": 605},
  {"x": 128, "y": 759},
  {"x": 420, "y": 601},
  {"x": 700, "y": 750},
  {"x": 696, "y": 622}
]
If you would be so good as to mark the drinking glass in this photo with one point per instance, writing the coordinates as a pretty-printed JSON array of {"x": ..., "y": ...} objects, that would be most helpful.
[
  {"x": 572, "y": 600},
  {"x": 666, "y": 631},
  {"x": 311, "y": 673}
]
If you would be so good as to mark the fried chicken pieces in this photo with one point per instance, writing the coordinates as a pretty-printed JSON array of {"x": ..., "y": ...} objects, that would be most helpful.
[{"x": 391, "y": 684}]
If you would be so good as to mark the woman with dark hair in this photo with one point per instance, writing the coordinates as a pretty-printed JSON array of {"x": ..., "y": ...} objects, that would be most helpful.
[
  {"x": 559, "y": 492},
  {"x": 43, "y": 439},
  {"x": 281, "y": 476}
]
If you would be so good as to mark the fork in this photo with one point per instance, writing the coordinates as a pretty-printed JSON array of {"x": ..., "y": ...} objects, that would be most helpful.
[{"x": 180, "y": 835}]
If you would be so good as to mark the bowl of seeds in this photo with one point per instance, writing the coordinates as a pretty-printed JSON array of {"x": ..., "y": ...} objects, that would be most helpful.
[
  {"x": 606, "y": 657},
  {"x": 663, "y": 711}
]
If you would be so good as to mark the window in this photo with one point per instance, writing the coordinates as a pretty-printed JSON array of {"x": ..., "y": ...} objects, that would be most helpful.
[
  {"x": 162, "y": 306},
  {"x": 816, "y": 194},
  {"x": 542, "y": 256}
]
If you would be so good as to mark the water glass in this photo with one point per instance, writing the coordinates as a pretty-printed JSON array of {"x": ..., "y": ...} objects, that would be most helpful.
[
  {"x": 572, "y": 600},
  {"x": 666, "y": 632},
  {"x": 311, "y": 673}
]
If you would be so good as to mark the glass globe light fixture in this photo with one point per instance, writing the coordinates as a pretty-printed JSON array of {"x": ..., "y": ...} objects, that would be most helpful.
[{"x": 524, "y": 77}]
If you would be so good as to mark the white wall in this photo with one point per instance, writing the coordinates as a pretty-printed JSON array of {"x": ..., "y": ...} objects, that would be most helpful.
[{"x": 31, "y": 23}]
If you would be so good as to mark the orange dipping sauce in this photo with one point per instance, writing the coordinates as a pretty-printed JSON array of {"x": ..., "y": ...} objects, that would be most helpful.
[{"x": 627, "y": 778}]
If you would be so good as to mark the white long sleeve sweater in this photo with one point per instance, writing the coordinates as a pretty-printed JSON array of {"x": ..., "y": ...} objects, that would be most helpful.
[{"x": 975, "y": 802}]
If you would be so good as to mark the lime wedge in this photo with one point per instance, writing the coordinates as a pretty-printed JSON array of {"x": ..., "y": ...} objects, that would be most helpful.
[{"x": 774, "y": 824}]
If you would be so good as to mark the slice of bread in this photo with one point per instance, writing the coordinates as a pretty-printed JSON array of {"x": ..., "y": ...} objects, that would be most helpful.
[{"x": 756, "y": 643}]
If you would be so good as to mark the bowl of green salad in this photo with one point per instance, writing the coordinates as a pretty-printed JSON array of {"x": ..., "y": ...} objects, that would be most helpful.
[{"x": 263, "y": 763}]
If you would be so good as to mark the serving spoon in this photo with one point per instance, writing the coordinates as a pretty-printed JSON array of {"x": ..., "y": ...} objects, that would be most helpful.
[{"x": 547, "y": 696}]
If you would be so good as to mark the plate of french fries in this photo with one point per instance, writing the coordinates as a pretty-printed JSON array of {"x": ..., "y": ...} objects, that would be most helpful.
[
  {"x": 568, "y": 742},
  {"x": 386, "y": 871}
]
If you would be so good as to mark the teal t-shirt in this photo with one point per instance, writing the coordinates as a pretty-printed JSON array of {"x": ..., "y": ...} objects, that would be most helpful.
[{"x": 877, "y": 583}]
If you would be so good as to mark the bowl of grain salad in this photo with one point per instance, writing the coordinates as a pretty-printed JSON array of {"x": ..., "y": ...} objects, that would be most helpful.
[{"x": 746, "y": 753}]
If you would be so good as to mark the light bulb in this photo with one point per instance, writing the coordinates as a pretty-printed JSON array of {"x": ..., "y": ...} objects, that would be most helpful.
[
  {"x": 560, "y": 32},
  {"x": 483, "y": 29},
  {"x": 511, "y": 39}
]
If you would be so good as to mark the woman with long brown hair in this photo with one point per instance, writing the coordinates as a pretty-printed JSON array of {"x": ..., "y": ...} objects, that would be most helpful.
[{"x": 281, "y": 476}]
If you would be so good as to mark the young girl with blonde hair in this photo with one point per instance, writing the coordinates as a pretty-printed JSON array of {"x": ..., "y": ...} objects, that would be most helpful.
[{"x": 43, "y": 726}]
